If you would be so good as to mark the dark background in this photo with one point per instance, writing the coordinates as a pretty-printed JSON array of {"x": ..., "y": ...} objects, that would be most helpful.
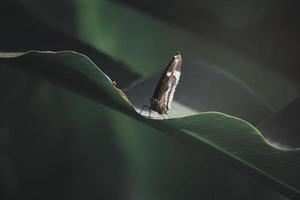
[{"x": 56, "y": 144}]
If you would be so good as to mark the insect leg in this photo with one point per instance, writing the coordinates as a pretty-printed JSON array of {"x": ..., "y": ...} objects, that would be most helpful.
[
  {"x": 142, "y": 109},
  {"x": 168, "y": 115},
  {"x": 145, "y": 106},
  {"x": 150, "y": 110},
  {"x": 151, "y": 100}
]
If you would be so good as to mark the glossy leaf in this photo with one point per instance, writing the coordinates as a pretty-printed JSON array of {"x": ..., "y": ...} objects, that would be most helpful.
[{"x": 230, "y": 138}]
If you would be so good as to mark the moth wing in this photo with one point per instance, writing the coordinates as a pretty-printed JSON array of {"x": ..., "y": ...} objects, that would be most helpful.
[{"x": 163, "y": 88}]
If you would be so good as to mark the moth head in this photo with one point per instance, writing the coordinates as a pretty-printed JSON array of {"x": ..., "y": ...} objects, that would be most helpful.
[
  {"x": 177, "y": 55},
  {"x": 177, "y": 60}
]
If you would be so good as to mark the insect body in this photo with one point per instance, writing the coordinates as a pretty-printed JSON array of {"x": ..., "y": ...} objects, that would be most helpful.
[{"x": 165, "y": 88}]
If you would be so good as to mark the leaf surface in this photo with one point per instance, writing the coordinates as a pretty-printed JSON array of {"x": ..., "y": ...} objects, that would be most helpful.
[{"x": 230, "y": 138}]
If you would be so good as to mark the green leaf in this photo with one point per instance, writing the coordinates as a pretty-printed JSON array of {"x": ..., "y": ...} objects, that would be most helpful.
[
  {"x": 69, "y": 69},
  {"x": 205, "y": 88},
  {"x": 230, "y": 138},
  {"x": 240, "y": 50},
  {"x": 53, "y": 144}
]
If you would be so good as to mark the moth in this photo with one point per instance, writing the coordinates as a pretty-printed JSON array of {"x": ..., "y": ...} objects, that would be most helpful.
[{"x": 166, "y": 86}]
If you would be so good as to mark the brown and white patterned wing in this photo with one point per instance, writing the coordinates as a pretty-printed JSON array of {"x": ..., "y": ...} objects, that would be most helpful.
[{"x": 165, "y": 89}]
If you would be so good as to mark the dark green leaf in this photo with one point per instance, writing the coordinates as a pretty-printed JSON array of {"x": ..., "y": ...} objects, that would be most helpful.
[{"x": 230, "y": 138}]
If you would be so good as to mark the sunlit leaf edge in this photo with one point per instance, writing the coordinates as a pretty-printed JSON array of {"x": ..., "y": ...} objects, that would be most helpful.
[{"x": 125, "y": 106}]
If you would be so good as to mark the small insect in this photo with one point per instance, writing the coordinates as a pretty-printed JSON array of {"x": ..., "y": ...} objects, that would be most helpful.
[{"x": 165, "y": 88}]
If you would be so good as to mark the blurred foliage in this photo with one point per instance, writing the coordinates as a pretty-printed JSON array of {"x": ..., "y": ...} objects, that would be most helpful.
[
  {"x": 145, "y": 43},
  {"x": 54, "y": 144},
  {"x": 77, "y": 71}
]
